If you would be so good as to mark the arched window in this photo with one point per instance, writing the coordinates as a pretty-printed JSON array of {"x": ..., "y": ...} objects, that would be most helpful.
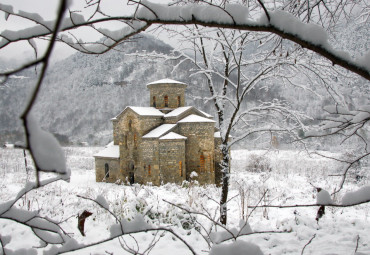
[
  {"x": 106, "y": 170},
  {"x": 178, "y": 101},
  {"x": 165, "y": 101},
  {"x": 180, "y": 168},
  {"x": 135, "y": 140},
  {"x": 202, "y": 163},
  {"x": 130, "y": 125},
  {"x": 149, "y": 170},
  {"x": 154, "y": 102}
]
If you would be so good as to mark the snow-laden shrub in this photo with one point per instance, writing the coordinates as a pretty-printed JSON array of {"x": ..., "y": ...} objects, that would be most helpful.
[{"x": 257, "y": 163}]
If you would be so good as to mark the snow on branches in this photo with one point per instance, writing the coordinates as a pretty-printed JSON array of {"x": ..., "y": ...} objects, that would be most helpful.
[{"x": 232, "y": 16}]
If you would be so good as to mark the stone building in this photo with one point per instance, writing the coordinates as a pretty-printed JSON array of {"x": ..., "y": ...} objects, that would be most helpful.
[{"x": 162, "y": 143}]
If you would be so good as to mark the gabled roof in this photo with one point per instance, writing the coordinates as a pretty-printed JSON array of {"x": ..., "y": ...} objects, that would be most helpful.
[
  {"x": 110, "y": 151},
  {"x": 195, "y": 118},
  {"x": 142, "y": 111},
  {"x": 168, "y": 81},
  {"x": 206, "y": 114},
  {"x": 180, "y": 110},
  {"x": 173, "y": 136},
  {"x": 176, "y": 112},
  {"x": 146, "y": 111},
  {"x": 159, "y": 131}
]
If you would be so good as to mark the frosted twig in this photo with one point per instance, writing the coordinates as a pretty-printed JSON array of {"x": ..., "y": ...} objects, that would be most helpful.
[{"x": 304, "y": 247}]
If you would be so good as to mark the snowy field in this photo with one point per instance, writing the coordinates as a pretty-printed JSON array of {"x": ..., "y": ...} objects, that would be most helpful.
[{"x": 284, "y": 178}]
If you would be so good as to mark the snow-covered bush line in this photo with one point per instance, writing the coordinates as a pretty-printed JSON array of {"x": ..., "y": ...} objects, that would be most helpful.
[
  {"x": 287, "y": 183},
  {"x": 12, "y": 160}
]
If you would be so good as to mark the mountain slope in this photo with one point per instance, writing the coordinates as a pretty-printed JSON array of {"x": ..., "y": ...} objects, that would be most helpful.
[{"x": 82, "y": 93}]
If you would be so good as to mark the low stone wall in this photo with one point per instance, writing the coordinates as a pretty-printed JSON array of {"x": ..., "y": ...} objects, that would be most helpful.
[{"x": 113, "y": 168}]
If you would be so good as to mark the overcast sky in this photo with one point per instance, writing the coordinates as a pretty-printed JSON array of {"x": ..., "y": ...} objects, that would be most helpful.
[{"x": 47, "y": 9}]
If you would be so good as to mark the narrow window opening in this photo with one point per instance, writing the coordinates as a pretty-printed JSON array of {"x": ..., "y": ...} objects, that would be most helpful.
[
  {"x": 165, "y": 101},
  {"x": 154, "y": 102},
  {"x": 178, "y": 101},
  {"x": 130, "y": 125},
  {"x": 149, "y": 170},
  {"x": 180, "y": 168},
  {"x": 106, "y": 170},
  {"x": 135, "y": 140},
  {"x": 202, "y": 163}
]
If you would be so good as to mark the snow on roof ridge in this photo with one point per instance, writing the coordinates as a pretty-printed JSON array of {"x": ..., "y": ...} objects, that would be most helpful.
[
  {"x": 166, "y": 80},
  {"x": 180, "y": 110},
  {"x": 176, "y": 112},
  {"x": 173, "y": 136},
  {"x": 159, "y": 131},
  {"x": 146, "y": 111},
  {"x": 206, "y": 114},
  {"x": 110, "y": 151},
  {"x": 194, "y": 118}
]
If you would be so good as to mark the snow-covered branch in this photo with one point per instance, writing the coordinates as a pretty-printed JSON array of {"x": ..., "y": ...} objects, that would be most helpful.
[{"x": 229, "y": 16}]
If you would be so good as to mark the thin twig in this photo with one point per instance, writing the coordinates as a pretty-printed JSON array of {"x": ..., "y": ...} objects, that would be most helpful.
[
  {"x": 304, "y": 247},
  {"x": 357, "y": 241}
]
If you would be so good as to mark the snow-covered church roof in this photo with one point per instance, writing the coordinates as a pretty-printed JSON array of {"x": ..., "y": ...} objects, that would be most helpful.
[
  {"x": 195, "y": 118},
  {"x": 142, "y": 111},
  {"x": 159, "y": 131},
  {"x": 110, "y": 151},
  {"x": 173, "y": 136},
  {"x": 166, "y": 81}
]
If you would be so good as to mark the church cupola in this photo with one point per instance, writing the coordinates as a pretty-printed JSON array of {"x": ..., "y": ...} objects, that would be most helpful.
[{"x": 167, "y": 94}]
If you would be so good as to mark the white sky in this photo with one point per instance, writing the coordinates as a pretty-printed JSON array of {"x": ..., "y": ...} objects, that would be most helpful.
[{"x": 48, "y": 9}]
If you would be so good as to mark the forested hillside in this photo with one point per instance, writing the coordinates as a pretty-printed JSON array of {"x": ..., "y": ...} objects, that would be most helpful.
[{"x": 83, "y": 92}]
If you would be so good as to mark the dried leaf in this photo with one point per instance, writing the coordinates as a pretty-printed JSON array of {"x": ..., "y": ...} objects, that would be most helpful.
[{"x": 81, "y": 221}]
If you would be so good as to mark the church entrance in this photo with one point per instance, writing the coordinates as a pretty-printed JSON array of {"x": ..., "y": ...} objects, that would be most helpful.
[
  {"x": 131, "y": 173},
  {"x": 132, "y": 178}
]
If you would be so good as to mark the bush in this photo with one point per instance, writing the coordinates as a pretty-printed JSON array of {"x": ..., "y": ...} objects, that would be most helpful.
[{"x": 258, "y": 164}]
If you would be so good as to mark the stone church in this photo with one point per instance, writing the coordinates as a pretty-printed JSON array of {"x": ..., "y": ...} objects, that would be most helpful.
[{"x": 162, "y": 143}]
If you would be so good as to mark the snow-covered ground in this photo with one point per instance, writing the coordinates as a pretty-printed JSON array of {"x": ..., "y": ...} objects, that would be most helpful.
[{"x": 285, "y": 177}]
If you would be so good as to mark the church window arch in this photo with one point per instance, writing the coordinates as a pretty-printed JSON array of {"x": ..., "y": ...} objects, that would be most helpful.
[
  {"x": 165, "y": 101},
  {"x": 106, "y": 170},
  {"x": 135, "y": 140},
  {"x": 202, "y": 163},
  {"x": 180, "y": 168}
]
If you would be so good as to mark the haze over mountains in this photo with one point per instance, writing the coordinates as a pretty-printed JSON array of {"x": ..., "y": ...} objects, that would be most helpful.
[{"x": 81, "y": 93}]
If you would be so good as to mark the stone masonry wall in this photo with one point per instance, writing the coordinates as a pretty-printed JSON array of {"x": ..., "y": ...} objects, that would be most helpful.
[
  {"x": 114, "y": 173},
  {"x": 131, "y": 129},
  {"x": 199, "y": 150},
  {"x": 172, "y": 91},
  {"x": 149, "y": 172},
  {"x": 172, "y": 161}
]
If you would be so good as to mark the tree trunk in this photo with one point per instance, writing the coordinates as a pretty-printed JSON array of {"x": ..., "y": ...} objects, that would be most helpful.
[{"x": 225, "y": 164}]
